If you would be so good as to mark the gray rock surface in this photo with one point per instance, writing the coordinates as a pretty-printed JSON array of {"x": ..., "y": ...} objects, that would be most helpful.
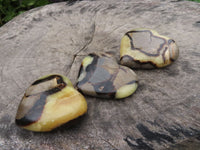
[{"x": 165, "y": 110}]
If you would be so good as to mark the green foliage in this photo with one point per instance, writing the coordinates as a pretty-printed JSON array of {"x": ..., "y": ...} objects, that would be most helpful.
[
  {"x": 195, "y": 0},
  {"x": 12, "y": 8}
]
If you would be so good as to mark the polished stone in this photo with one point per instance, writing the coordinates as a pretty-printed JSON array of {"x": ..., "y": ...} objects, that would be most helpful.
[
  {"x": 101, "y": 76},
  {"x": 48, "y": 103},
  {"x": 146, "y": 49}
]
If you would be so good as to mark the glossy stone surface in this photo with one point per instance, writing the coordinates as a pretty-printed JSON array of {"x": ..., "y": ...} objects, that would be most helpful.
[
  {"x": 101, "y": 76},
  {"x": 48, "y": 103},
  {"x": 145, "y": 48},
  {"x": 47, "y": 39}
]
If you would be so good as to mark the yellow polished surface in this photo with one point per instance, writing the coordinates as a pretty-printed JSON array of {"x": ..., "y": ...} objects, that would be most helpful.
[
  {"x": 59, "y": 109},
  {"x": 163, "y": 57},
  {"x": 56, "y": 108},
  {"x": 126, "y": 90}
]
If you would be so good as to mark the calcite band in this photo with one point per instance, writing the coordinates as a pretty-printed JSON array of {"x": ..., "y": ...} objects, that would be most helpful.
[
  {"x": 146, "y": 49},
  {"x": 101, "y": 76},
  {"x": 48, "y": 103}
]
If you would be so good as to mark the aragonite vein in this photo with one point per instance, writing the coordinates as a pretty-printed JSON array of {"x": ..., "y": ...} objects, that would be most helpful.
[
  {"x": 145, "y": 48},
  {"x": 101, "y": 76},
  {"x": 48, "y": 103}
]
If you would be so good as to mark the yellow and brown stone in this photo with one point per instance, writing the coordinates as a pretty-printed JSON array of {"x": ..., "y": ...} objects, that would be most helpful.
[
  {"x": 48, "y": 103},
  {"x": 101, "y": 76},
  {"x": 144, "y": 48}
]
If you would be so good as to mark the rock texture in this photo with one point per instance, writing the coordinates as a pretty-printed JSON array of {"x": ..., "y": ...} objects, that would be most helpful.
[
  {"x": 101, "y": 76},
  {"x": 165, "y": 110}
]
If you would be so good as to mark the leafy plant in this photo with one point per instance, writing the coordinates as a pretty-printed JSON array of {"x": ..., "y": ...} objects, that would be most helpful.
[{"x": 12, "y": 8}]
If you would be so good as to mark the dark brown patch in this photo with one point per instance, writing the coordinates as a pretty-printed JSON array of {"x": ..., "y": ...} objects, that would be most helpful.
[
  {"x": 154, "y": 136},
  {"x": 131, "y": 59},
  {"x": 137, "y": 144},
  {"x": 89, "y": 70},
  {"x": 105, "y": 88},
  {"x": 102, "y": 88},
  {"x": 35, "y": 112},
  {"x": 144, "y": 52}
]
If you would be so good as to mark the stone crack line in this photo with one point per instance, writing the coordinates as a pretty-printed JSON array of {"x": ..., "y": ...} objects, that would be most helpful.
[
  {"x": 101, "y": 138},
  {"x": 110, "y": 33},
  {"x": 83, "y": 48},
  {"x": 89, "y": 42}
]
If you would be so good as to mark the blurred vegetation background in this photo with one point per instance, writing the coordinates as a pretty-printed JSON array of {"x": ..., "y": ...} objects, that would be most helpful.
[{"x": 11, "y": 8}]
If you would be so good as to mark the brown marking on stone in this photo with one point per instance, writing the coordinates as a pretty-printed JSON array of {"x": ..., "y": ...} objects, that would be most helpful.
[
  {"x": 46, "y": 79},
  {"x": 137, "y": 61},
  {"x": 34, "y": 114},
  {"x": 144, "y": 52}
]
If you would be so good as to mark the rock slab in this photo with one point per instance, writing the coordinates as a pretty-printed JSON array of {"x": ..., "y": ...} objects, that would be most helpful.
[{"x": 164, "y": 113}]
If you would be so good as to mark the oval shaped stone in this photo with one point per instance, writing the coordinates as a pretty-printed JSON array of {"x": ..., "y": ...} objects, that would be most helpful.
[
  {"x": 101, "y": 76},
  {"x": 146, "y": 49},
  {"x": 48, "y": 103}
]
